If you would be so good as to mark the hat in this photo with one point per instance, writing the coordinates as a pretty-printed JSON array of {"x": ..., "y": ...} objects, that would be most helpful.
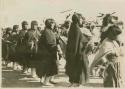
[
  {"x": 34, "y": 22},
  {"x": 15, "y": 26},
  {"x": 8, "y": 29},
  {"x": 24, "y": 23}
]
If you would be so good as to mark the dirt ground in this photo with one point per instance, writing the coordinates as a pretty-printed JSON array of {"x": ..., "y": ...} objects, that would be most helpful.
[{"x": 15, "y": 79}]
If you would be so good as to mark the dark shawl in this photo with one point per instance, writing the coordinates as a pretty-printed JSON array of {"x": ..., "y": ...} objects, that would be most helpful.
[
  {"x": 31, "y": 38},
  {"x": 47, "y": 43},
  {"x": 47, "y": 54},
  {"x": 75, "y": 61}
]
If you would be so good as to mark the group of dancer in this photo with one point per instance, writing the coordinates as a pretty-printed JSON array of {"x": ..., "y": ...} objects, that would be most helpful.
[{"x": 74, "y": 41}]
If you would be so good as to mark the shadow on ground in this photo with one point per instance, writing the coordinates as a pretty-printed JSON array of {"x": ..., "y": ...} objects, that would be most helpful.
[
  {"x": 15, "y": 79},
  {"x": 12, "y": 78}
]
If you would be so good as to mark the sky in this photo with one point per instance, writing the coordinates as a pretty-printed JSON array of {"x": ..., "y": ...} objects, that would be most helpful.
[{"x": 15, "y": 11}]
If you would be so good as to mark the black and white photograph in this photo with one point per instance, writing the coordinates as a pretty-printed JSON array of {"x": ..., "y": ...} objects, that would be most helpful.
[{"x": 62, "y": 43}]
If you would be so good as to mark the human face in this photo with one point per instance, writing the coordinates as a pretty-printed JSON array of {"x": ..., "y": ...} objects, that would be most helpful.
[
  {"x": 68, "y": 25},
  {"x": 121, "y": 26},
  {"x": 81, "y": 22},
  {"x": 16, "y": 29},
  {"x": 9, "y": 31},
  {"x": 35, "y": 26},
  {"x": 114, "y": 19},
  {"x": 52, "y": 25},
  {"x": 25, "y": 26}
]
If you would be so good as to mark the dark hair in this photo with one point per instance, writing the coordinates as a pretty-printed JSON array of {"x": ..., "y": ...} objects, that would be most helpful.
[
  {"x": 106, "y": 20},
  {"x": 24, "y": 23},
  {"x": 76, "y": 17},
  {"x": 8, "y": 29},
  {"x": 48, "y": 22},
  {"x": 114, "y": 29},
  {"x": 34, "y": 22},
  {"x": 15, "y": 26},
  {"x": 67, "y": 22}
]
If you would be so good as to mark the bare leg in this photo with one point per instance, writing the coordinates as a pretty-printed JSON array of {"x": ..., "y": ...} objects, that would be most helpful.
[
  {"x": 25, "y": 70},
  {"x": 14, "y": 65},
  {"x": 46, "y": 81},
  {"x": 75, "y": 85},
  {"x": 40, "y": 80},
  {"x": 33, "y": 72},
  {"x": 52, "y": 80}
]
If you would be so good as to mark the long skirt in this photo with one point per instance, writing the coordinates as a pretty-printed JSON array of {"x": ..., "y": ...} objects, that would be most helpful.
[
  {"x": 12, "y": 53},
  {"x": 30, "y": 56},
  {"x": 30, "y": 60},
  {"x": 5, "y": 51},
  {"x": 112, "y": 75},
  {"x": 77, "y": 70},
  {"x": 46, "y": 66},
  {"x": 21, "y": 55}
]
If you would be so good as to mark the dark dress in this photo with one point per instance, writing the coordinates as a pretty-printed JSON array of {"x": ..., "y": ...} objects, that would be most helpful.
[
  {"x": 76, "y": 65},
  {"x": 31, "y": 38},
  {"x": 5, "y": 46},
  {"x": 47, "y": 54},
  {"x": 21, "y": 48},
  {"x": 12, "y": 47}
]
